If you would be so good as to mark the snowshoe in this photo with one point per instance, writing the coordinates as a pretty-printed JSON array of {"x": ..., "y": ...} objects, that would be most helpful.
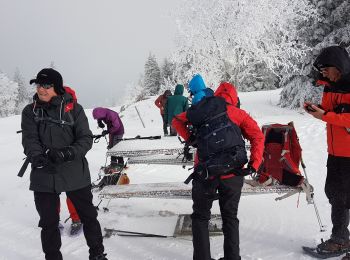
[
  {"x": 327, "y": 249},
  {"x": 316, "y": 253},
  {"x": 331, "y": 246},
  {"x": 346, "y": 257},
  {"x": 75, "y": 228}
]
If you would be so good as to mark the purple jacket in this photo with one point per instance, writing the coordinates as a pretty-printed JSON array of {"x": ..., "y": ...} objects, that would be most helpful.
[{"x": 111, "y": 119}]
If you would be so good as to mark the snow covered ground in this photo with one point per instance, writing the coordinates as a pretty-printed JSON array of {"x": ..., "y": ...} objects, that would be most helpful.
[{"x": 268, "y": 229}]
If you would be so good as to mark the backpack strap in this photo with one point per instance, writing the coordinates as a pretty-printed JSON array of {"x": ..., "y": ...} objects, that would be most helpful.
[
  {"x": 214, "y": 117},
  {"x": 38, "y": 118}
]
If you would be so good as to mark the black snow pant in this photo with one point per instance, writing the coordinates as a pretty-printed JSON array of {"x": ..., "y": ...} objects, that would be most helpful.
[
  {"x": 337, "y": 189},
  {"x": 113, "y": 140},
  {"x": 203, "y": 193},
  {"x": 47, "y": 205},
  {"x": 165, "y": 125}
]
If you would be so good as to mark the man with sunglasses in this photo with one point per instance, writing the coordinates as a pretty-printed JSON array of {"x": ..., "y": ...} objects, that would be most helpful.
[{"x": 56, "y": 138}]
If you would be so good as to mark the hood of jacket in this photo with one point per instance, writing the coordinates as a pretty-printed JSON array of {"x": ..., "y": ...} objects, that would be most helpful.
[
  {"x": 196, "y": 84},
  {"x": 99, "y": 113},
  {"x": 333, "y": 56},
  {"x": 179, "y": 90},
  {"x": 227, "y": 91}
]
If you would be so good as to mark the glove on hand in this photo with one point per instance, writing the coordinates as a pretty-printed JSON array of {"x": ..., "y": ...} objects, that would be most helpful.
[
  {"x": 104, "y": 132},
  {"x": 188, "y": 156},
  {"x": 245, "y": 171},
  {"x": 39, "y": 161},
  {"x": 58, "y": 156},
  {"x": 192, "y": 141},
  {"x": 100, "y": 124}
]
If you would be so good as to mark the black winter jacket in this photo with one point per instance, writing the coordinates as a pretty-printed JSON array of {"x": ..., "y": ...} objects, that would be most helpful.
[{"x": 48, "y": 125}]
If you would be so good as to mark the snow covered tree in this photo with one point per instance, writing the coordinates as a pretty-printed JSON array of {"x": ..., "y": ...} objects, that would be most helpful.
[
  {"x": 167, "y": 76},
  {"x": 152, "y": 76},
  {"x": 135, "y": 92},
  {"x": 25, "y": 92},
  {"x": 250, "y": 43},
  {"x": 331, "y": 26},
  {"x": 8, "y": 96}
]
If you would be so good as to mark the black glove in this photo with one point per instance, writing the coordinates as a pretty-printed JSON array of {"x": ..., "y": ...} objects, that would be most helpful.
[
  {"x": 192, "y": 141},
  {"x": 245, "y": 171},
  {"x": 42, "y": 162},
  {"x": 58, "y": 156},
  {"x": 104, "y": 132},
  {"x": 39, "y": 161},
  {"x": 188, "y": 156},
  {"x": 100, "y": 124}
]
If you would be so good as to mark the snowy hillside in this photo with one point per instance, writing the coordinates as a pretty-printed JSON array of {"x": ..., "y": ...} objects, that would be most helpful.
[{"x": 269, "y": 230}]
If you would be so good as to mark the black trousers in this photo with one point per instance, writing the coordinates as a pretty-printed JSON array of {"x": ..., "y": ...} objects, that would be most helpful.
[
  {"x": 229, "y": 195},
  {"x": 115, "y": 160},
  {"x": 47, "y": 206},
  {"x": 337, "y": 189},
  {"x": 165, "y": 125}
]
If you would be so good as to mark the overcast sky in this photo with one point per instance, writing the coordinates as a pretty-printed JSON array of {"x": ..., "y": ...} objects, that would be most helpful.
[{"x": 98, "y": 46}]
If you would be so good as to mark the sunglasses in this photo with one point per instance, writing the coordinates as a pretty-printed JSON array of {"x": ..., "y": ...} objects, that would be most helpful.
[{"x": 45, "y": 86}]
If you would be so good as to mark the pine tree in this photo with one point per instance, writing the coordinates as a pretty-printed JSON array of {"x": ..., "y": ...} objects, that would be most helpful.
[
  {"x": 167, "y": 75},
  {"x": 8, "y": 96},
  {"x": 152, "y": 76},
  {"x": 25, "y": 92}
]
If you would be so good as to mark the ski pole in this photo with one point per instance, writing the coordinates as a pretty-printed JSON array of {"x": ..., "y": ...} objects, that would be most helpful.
[
  {"x": 97, "y": 208},
  {"x": 135, "y": 234},
  {"x": 322, "y": 227},
  {"x": 67, "y": 219},
  {"x": 152, "y": 137},
  {"x": 106, "y": 209},
  {"x": 138, "y": 113}
]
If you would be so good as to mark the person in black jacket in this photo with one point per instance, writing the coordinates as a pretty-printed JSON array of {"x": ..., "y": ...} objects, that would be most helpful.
[{"x": 56, "y": 138}]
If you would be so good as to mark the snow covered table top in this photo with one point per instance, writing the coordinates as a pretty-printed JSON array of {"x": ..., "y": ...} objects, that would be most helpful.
[
  {"x": 139, "y": 147},
  {"x": 179, "y": 190}
]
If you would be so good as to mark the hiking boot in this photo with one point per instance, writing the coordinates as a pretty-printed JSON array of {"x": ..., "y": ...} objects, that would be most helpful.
[
  {"x": 75, "y": 227},
  {"x": 329, "y": 246},
  {"x": 346, "y": 257},
  {"x": 98, "y": 257}
]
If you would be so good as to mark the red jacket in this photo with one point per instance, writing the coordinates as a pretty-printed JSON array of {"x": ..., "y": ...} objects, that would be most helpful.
[
  {"x": 160, "y": 103},
  {"x": 338, "y": 139},
  {"x": 250, "y": 129}
]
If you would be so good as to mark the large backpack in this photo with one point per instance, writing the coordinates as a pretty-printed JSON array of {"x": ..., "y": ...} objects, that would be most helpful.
[
  {"x": 70, "y": 106},
  {"x": 219, "y": 142},
  {"x": 282, "y": 156}
]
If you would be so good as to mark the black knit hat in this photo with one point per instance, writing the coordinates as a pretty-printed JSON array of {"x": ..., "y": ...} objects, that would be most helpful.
[{"x": 50, "y": 76}]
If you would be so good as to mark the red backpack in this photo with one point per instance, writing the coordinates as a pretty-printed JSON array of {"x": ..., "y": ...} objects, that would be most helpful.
[
  {"x": 70, "y": 106},
  {"x": 282, "y": 156}
]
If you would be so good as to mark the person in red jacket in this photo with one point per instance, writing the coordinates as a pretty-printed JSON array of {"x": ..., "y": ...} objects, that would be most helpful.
[
  {"x": 160, "y": 102},
  {"x": 333, "y": 63},
  {"x": 229, "y": 185}
]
